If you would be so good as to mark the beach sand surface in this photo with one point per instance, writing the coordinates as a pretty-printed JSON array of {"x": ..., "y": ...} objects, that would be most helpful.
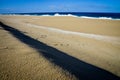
[{"x": 94, "y": 41}]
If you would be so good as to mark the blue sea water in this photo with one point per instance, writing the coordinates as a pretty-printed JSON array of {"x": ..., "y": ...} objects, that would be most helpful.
[{"x": 77, "y": 14}]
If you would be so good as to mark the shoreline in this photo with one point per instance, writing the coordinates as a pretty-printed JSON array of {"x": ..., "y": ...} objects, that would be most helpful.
[{"x": 69, "y": 15}]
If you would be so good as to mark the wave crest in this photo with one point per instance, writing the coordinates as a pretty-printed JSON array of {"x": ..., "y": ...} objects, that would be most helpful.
[{"x": 71, "y": 15}]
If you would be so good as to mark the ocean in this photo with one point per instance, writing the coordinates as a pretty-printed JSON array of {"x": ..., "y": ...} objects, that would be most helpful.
[{"x": 75, "y": 14}]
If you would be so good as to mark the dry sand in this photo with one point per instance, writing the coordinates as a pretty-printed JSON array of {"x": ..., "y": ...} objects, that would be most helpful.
[{"x": 94, "y": 41}]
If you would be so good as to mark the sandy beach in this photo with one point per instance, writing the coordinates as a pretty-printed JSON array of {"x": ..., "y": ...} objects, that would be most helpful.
[{"x": 59, "y": 48}]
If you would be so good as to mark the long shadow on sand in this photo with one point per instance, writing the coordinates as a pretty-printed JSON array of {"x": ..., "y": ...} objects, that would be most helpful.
[{"x": 82, "y": 70}]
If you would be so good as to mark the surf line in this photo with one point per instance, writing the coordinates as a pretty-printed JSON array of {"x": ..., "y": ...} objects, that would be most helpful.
[{"x": 110, "y": 39}]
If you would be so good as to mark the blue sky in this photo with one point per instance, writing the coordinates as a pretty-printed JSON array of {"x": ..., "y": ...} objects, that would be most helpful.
[{"x": 18, "y": 6}]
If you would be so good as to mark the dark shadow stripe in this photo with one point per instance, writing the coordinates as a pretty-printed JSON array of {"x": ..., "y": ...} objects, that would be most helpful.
[{"x": 82, "y": 70}]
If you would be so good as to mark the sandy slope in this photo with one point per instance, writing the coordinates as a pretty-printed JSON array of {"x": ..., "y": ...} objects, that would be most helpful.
[{"x": 103, "y": 53}]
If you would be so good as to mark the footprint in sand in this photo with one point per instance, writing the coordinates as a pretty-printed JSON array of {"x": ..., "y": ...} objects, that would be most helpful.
[
  {"x": 3, "y": 47},
  {"x": 61, "y": 44},
  {"x": 25, "y": 32},
  {"x": 43, "y": 36}
]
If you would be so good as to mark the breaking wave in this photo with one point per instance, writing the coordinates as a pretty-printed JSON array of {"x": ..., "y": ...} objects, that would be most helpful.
[
  {"x": 57, "y": 14},
  {"x": 110, "y": 18}
]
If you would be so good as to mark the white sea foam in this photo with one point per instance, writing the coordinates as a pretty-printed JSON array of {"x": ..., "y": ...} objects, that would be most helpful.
[
  {"x": 108, "y": 18},
  {"x": 104, "y": 18},
  {"x": 46, "y": 15},
  {"x": 71, "y": 15},
  {"x": 57, "y": 14},
  {"x": 64, "y": 15}
]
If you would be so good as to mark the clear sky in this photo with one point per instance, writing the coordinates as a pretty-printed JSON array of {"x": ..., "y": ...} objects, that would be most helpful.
[{"x": 17, "y": 6}]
